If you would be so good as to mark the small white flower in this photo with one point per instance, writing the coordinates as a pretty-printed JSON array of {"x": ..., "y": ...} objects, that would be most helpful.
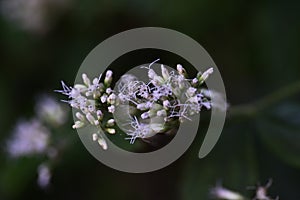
[
  {"x": 99, "y": 114},
  {"x": 145, "y": 115},
  {"x": 191, "y": 91},
  {"x": 151, "y": 74},
  {"x": 144, "y": 106},
  {"x": 108, "y": 74},
  {"x": 103, "y": 98},
  {"x": 80, "y": 87},
  {"x": 108, "y": 77},
  {"x": 111, "y": 130},
  {"x": 108, "y": 90},
  {"x": 90, "y": 118},
  {"x": 96, "y": 80},
  {"x": 155, "y": 79},
  {"x": 78, "y": 124},
  {"x": 180, "y": 69},
  {"x": 206, "y": 104},
  {"x": 162, "y": 113},
  {"x": 194, "y": 81},
  {"x": 166, "y": 104},
  {"x": 80, "y": 116},
  {"x": 93, "y": 89},
  {"x": 141, "y": 130},
  {"x": 110, "y": 122},
  {"x": 111, "y": 99},
  {"x": 262, "y": 192},
  {"x": 102, "y": 143},
  {"x": 95, "y": 136},
  {"x": 111, "y": 109},
  {"x": 86, "y": 80}
]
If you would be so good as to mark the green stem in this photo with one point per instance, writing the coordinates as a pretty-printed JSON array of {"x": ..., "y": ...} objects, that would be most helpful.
[{"x": 252, "y": 109}]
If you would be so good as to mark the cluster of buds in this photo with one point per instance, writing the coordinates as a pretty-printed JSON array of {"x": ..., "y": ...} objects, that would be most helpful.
[
  {"x": 163, "y": 100},
  {"x": 92, "y": 99},
  {"x": 155, "y": 104}
]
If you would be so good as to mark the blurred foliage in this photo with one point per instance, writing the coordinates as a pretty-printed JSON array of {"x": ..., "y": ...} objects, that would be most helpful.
[{"x": 256, "y": 46}]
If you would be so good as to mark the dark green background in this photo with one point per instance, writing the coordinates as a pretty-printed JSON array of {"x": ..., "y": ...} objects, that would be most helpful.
[{"x": 256, "y": 46}]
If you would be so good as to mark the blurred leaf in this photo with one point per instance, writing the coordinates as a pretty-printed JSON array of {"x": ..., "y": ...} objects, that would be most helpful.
[{"x": 280, "y": 131}]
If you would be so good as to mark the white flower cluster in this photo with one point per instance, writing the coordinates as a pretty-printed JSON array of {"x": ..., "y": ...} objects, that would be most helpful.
[
  {"x": 92, "y": 99},
  {"x": 163, "y": 100},
  {"x": 29, "y": 137},
  {"x": 33, "y": 137},
  {"x": 169, "y": 97},
  {"x": 50, "y": 111}
]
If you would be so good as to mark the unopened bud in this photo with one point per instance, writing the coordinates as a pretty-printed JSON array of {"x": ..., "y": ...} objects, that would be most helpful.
[
  {"x": 110, "y": 123},
  {"x": 78, "y": 124},
  {"x": 86, "y": 80},
  {"x": 165, "y": 72},
  {"x": 111, "y": 130}
]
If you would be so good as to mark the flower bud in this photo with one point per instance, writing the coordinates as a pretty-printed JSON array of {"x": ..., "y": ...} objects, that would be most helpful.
[
  {"x": 222, "y": 193},
  {"x": 80, "y": 116},
  {"x": 103, "y": 98},
  {"x": 191, "y": 91},
  {"x": 111, "y": 109},
  {"x": 86, "y": 80},
  {"x": 78, "y": 124},
  {"x": 111, "y": 130},
  {"x": 108, "y": 90},
  {"x": 95, "y": 137},
  {"x": 162, "y": 113},
  {"x": 165, "y": 72},
  {"x": 194, "y": 81},
  {"x": 110, "y": 123},
  {"x": 108, "y": 78},
  {"x": 90, "y": 118},
  {"x": 102, "y": 143},
  {"x": 166, "y": 104},
  {"x": 205, "y": 75},
  {"x": 99, "y": 115},
  {"x": 145, "y": 115},
  {"x": 181, "y": 70},
  {"x": 151, "y": 74},
  {"x": 111, "y": 99}
]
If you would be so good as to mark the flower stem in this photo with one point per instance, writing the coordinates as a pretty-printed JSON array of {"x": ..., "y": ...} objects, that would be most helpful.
[{"x": 254, "y": 108}]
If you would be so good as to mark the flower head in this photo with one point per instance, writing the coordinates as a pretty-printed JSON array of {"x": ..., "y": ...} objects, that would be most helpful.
[
  {"x": 50, "y": 111},
  {"x": 167, "y": 97},
  {"x": 29, "y": 137}
]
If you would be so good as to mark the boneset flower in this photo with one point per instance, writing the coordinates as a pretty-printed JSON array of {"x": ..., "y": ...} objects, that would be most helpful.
[
  {"x": 155, "y": 106},
  {"x": 29, "y": 137}
]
